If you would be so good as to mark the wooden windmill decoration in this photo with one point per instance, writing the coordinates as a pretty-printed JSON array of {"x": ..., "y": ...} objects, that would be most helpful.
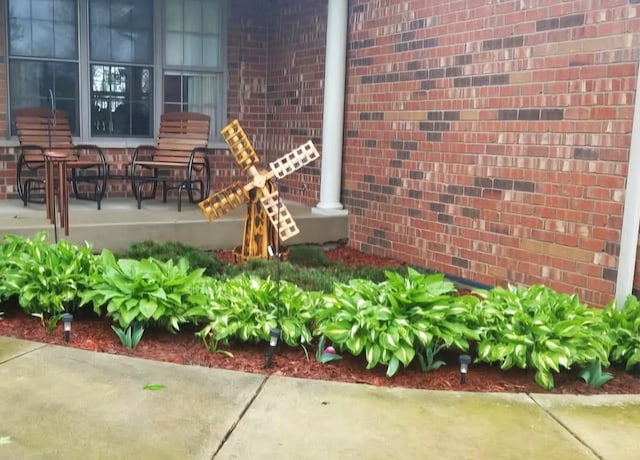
[{"x": 268, "y": 220}]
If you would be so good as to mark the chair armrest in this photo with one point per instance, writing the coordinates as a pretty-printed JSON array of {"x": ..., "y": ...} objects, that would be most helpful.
[
  {"x": 94, "y": 148},
  {"x": 140, "y": 151}
]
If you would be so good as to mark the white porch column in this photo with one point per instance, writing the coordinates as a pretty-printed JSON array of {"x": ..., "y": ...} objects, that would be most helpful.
[
  {"x": 333, "y": 114},
  {"x": 631, "y": 215}
]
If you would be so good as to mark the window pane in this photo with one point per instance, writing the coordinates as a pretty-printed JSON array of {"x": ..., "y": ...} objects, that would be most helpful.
[
  {"x": 173, "y": 15},
  {"x": 211, "y": 50},
  {"x": 42, "y": 34},
  {"x": 173, "y": 49},
  {"x": 194, "y": 93},
  {"x": 19, "y": 9},
  {"x": 121, "y": 46},
  {"x": 193, "y": 16},
  {"x": 211, "y": 17},
  {"x": 121, "y": 99},
  {"x": 65, "y": 40},
  {"x": 20, "y": 37},
  {"x": 42, "y": 9},
  {"x": 43, "y": 28},
  {"x": 172, "y": 88},
  {"x": 32, "y": 80},
  {"x": 121, "y": 30},
  {"x": 100, "y": 43},
  {"x": 192, "y": 50}
]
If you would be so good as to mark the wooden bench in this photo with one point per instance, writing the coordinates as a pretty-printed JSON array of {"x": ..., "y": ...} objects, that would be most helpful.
[
  {"x": 178, "y": 160},
  {"x": 40, "y": 129}
]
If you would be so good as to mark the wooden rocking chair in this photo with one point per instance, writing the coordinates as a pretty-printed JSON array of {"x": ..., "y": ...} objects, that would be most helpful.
[{"x": 40, "y": 129}]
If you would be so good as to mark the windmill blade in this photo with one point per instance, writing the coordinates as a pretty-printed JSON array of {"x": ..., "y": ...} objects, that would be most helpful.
[
  {"x": 224, "y": 201},
  {"x": 279, "y": 216},
  {"x": 294, "y": 160},
  {"x": 239, "y": 144}
]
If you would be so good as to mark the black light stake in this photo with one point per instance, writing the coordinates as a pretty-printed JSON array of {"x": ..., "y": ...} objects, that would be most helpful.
[
  {"x": 67, "y": 319},
  {"x": 274, "y": 335},
  {"x": 464, "y": 360}
]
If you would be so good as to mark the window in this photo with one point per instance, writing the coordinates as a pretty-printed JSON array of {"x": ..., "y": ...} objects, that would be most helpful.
[
  {"x": 43, "y": 50},
  {"x": 115, "y": 65},
  {"x": 121, "y": 67},
  {"x": 192, "y": 63}
]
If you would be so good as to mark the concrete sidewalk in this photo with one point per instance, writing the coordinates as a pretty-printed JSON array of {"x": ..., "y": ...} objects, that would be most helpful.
[{"x": 63, "y": 403}]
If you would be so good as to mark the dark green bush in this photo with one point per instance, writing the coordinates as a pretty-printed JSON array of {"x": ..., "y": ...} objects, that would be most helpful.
[
  {"x": 309, "y": 256},
  {"x": 174, "y": 250}
]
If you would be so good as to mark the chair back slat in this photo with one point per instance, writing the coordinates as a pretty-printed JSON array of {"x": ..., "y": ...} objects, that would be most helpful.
[
  {"x": 39, "y": 126},
  {"x": 180, "y": 133}
]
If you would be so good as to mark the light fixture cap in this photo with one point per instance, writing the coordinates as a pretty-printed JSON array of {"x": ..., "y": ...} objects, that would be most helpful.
[
  {"x": 464, "y": 359},
  {"x": 67, "y": 318}
]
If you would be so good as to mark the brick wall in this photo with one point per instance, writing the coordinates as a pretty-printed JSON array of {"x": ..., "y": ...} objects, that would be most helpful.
[
  {"x": 490, "y": 139},
  {"x": 295, "y": 75}
]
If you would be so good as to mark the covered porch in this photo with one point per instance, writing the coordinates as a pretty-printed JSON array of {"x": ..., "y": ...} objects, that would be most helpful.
[{"x": 119, "y": 224}]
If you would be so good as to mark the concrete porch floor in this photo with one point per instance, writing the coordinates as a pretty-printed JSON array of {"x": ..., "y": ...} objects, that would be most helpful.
[{"x": 119, "y": 224}]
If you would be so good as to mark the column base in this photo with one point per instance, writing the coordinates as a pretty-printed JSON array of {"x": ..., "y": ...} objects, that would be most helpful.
[{"x": 329, "y": 209}]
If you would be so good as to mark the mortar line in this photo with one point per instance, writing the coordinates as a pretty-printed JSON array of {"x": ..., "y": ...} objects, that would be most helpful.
[
  {"x": 567, "y": 429},
  {"x": 240, "y": 417},
  {"x": 43, "y": 345}
]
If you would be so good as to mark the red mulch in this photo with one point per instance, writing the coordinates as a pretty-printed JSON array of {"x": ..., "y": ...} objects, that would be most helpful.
[{"x": 95, "y": 334}]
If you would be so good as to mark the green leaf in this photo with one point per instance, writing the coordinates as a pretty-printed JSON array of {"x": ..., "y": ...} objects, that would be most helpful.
[
  {"x": 154, "y": 386},
  {"x": 5, "y": 440},
  {"x": 393, "y": 366},
  {"x": 147, "y": 307}
]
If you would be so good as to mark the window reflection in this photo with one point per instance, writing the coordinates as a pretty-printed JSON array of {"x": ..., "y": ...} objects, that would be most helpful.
[
  {"x": 121, "y": 102},
  {"x": 32, "y": 80}
]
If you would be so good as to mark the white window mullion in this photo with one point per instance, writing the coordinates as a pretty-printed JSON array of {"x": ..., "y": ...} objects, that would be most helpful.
[{"x": 83, "y": 64}]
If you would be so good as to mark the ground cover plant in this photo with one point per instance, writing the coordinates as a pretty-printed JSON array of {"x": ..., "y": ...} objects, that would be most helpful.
[{"x": 335, "y": 324}]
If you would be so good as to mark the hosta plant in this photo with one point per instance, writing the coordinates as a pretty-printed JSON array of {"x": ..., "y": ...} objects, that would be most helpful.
[
  {"x": 46, "y": 278},
  {"x": 148, "y": 291},
  {"x": 246, "y": 308},
  {"x": 390, "y": 320},
  {"x": 539, "y": 328},
  {"x": 624, "y": 325},
  {"x": 131, "y": 336}
]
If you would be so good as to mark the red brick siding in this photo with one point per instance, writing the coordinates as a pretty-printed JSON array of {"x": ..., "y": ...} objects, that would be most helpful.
[
  {"x": 297, "y": 36},
  {"x": 490, "y": 140}
]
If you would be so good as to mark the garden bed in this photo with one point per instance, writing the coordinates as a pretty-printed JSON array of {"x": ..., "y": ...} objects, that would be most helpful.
[{"x": 95, "y": 334}]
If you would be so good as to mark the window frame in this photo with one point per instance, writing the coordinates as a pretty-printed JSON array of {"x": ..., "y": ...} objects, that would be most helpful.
[{"x": 158, "y": 66}]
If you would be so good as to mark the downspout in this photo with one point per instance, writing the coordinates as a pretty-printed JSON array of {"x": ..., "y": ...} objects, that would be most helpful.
[{"x": 631, "y": 215}]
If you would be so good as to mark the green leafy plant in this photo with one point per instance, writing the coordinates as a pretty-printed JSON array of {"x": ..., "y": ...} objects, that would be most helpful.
[
  {"x": 148, "y": 291},
  {"x": 539, "y": 328},
  {"x": 173, "y": 250},
  {"x": 624, "y": 326},
  {"x": 389, "y": 320},
  {"x": 309, "y": 256},
  {"x": 48, "y": 322},
  {"x": 427, "y": 356},
  {"x": 46, "y": 278},
  {"x": 246, "y": 308},
  {"x": 131, "y": 336},
  {"x": 594, "y": 377},
  {"x": 322, "y": 355}
]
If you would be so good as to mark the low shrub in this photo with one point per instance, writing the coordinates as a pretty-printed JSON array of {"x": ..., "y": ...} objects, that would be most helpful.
[
  {"x": 308, "y": 256},
  {"x": 173, "y": 250},
  {"x": 624, "y": 326},
  {"x": 389, "y": 321},
  {"x": 148, "y": 291},
  {"x": 246, "y": 308},
  {"x": 47, "y": 279},
  {"x": 538, "y": 328}
]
